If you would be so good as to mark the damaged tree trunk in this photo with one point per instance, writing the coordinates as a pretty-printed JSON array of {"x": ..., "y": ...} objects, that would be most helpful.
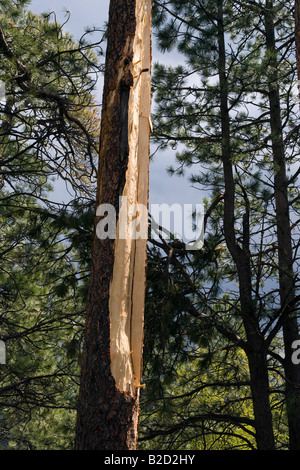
[{"x": 108, "y": 406}]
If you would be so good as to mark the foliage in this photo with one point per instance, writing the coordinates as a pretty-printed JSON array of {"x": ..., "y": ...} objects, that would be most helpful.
[
  {"x": 48, "y": 134},
  {"x": 216, "y": 112}
]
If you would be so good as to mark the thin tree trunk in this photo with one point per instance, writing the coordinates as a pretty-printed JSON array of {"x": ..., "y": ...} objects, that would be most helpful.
[
  {"x": 256, "y": 351},
  {"x": 285, "y": 253},
  {"x": 108, "y": 406}
]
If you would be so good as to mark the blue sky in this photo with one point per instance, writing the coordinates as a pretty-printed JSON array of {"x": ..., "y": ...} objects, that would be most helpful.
[
  {"x": 88, "y": 13},
  {"x": 83, "y": 13}
]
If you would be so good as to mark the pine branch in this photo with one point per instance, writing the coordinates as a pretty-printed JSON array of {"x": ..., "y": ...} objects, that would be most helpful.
[{"x": 200, "y": 418}]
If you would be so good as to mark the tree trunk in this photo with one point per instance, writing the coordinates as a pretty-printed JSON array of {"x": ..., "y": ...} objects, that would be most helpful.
[
  {"x": 285, "y": 253},
  {"x": 108, "y": 405},
  {"x": 256, "y": 351}
]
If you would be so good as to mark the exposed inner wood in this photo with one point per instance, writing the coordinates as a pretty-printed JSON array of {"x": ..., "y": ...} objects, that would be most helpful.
[{"x": 127, "y": 288}]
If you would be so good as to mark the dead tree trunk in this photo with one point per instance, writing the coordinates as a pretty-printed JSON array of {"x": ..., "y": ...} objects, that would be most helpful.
[{"x": 108, "y": 406}]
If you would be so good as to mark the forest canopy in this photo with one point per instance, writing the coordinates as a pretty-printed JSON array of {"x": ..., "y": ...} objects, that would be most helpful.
[{"x": 49, "y": 138}]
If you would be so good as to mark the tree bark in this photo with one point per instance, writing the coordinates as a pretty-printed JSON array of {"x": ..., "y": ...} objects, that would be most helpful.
[
  {"x": 285, "y": 252},
  {"x": 108, "y": 404}
]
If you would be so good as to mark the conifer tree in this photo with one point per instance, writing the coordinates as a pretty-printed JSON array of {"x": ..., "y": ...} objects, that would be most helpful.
[
  {"x": 220, "y": 104},
  {"x": 108, "y": 408},
  {"x": 48, "y": 129}
]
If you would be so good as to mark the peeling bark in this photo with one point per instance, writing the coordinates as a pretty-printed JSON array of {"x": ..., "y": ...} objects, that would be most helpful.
[{"x": 112, "y": 360}]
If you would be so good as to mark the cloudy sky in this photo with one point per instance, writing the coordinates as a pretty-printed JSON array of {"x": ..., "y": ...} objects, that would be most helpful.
[{"x": 89, "y": 13}]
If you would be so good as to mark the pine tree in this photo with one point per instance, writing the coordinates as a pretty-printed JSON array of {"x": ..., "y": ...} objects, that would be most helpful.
[
  {"x": 287, "y": 286},
  {"x": 220, "y": 105},
  {"x": 108, "y": 408},
  {"x": 48, "y": 129}
]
